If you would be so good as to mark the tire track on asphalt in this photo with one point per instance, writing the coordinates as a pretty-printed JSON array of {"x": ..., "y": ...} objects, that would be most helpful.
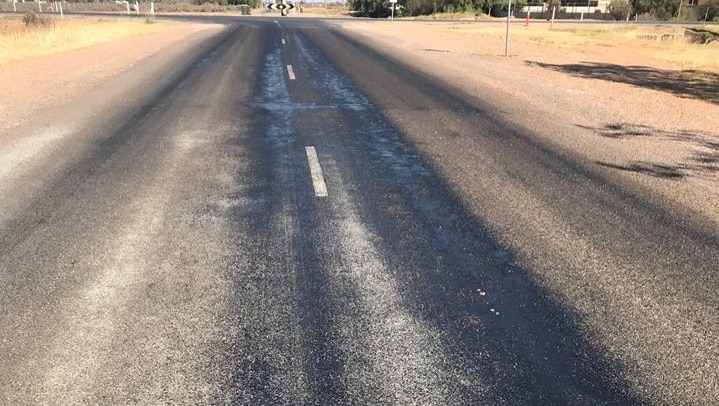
[{"x": 270, "y": 354}]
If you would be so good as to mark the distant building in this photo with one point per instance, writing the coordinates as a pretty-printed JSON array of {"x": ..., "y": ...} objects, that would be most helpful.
[
  {"x": 571, "y": 6},
  {"x": 587, "y": 6}
]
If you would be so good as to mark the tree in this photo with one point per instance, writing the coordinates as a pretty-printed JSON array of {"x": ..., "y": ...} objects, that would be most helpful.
[
  {"x": 619, "y": 9},
  {"x": 641, "y": 6},
  {"x": 661, "y": 9},
  {"x": 381, "y": 8},
  {"x": 518, "y": 5},
  {"x": 552, "y": 5},
  {"x": 372, "y": 8},
  {"x": 423, "y": 7},
  {"x": 489, "y": 4},
  {"x": 710, "y": 11}
]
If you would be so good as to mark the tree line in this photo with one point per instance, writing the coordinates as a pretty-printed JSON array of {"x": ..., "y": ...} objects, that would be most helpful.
[
  {"x": 619, "y": 9},
  {"x": 380, "y": 8},
  {"x": 664, "y": 9}
]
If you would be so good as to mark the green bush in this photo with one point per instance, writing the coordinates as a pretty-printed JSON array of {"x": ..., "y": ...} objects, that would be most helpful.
[
  {"x": 659, "y": 9},
  {"x": 688, "y": 14},
  {"x": 702, "y": 36},
  {"x": 619, "y": 9}
]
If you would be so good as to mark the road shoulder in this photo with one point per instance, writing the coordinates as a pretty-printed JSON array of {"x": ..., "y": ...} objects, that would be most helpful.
[{"x": 34, "y": 87}]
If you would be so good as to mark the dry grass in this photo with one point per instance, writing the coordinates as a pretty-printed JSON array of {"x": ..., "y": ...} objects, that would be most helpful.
[
  {"x": 454, "y": 16},
  {"x": 542, "y": 34},
  {"x": 317, "y": 10},
  {"x": 685, "y": 56},
  {"x": 18, "y": 41},
  {"x": 608, "y": 39}
]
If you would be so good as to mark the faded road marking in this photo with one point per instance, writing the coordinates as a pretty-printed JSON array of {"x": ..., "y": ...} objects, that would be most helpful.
[
  {"x": 291, "y": 72},
  {"x": 318, "y": 180}
]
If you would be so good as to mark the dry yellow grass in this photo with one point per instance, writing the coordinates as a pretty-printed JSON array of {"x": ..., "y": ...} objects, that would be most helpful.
[
  {"x": 467, "y": 16},
  {"x": 18, "y": 41},
  {"x": 620, "y": 39},
  {"x": 316, "y": 10},
  {"x": 685, "y": 56}
]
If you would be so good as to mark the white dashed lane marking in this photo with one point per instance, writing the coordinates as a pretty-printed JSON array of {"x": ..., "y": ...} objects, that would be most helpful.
[
  {"x": 291, "y": 72},
  {"x": 318, "y": 180}
]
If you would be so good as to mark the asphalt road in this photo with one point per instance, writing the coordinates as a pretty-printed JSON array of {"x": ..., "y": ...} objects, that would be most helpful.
[{"x": 269, "y": 215}]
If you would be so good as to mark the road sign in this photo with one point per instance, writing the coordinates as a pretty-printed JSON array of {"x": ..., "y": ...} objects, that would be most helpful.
[{"x": 279, "y": 6}]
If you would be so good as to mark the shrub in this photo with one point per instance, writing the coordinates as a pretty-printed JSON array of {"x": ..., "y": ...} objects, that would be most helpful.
[
  {"x": 701, "y": 36},
  {"x": 710, "y": 11},
  {"x": 553, "y": 5},
  {"x": 34, "y": 20},
  {"x": 688, "y": 14},
  {"x": 619, "y": 9},
  {"x": 658, "y": 9}
]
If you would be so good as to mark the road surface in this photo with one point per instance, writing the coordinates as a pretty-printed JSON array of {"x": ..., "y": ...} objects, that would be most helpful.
[{"x": 259, "y": 217}]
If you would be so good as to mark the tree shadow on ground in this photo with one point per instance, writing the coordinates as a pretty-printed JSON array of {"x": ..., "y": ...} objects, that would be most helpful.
[
  {"x": 691, "y": 84},
  {"x": 702, "y": 161}
]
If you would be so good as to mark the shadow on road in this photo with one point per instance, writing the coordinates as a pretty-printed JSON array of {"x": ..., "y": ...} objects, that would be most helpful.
[
  {"x": 498, "y": 326},
  {"x": 648, "y": 168},
  {"x": 703, "y": 161},
  {"x": 690, "y": 84}
]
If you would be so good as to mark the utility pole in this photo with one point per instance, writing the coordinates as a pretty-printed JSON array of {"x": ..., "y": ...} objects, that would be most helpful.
[
  {"x": 679, "y": 11},
  {"x": 506, "y": 36}
]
